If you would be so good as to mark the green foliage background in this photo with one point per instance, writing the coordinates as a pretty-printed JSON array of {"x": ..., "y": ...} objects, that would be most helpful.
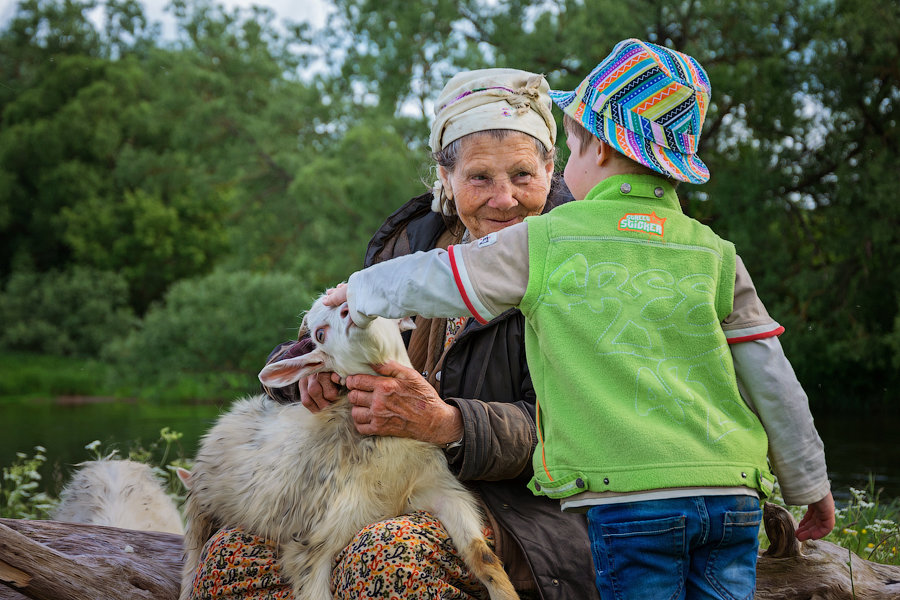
[{"x": 267, "y": 153}]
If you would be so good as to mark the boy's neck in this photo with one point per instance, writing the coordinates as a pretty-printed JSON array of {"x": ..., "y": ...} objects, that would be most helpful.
[{"x": 610, "y": 163}]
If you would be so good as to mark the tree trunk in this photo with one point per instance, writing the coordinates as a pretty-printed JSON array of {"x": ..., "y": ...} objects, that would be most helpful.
[{"x": 47, "y": 560}]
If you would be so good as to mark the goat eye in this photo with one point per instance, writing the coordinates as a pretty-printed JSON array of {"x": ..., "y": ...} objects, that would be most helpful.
[{"x": 320, "y": 335}]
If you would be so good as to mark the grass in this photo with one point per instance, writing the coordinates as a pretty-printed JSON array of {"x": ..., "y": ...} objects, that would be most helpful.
[
  {"x": 26, "y": 376},
  {"x": 869, "y": 527}
]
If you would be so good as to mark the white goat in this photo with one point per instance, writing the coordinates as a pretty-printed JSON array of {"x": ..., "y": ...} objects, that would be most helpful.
[
  {"x": 310, "y": 481},
  {"x": 118, "y": 493}
]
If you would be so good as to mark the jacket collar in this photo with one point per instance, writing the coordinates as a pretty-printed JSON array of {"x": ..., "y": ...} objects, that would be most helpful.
[{"x": 641, "y": 189}]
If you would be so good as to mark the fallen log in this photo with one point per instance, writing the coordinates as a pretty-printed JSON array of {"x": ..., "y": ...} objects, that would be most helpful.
[
  {"x": 48, "y": 560},
  {"x": 817, "y": 570}
]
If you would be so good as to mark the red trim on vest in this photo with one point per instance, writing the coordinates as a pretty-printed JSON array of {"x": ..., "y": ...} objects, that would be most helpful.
[
  {"x": 460, "y": 288},
  {"x": 757, "y": 336}
]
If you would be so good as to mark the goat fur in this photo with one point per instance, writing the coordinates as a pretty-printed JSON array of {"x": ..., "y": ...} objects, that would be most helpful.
[
  {"x": 118, "y": 493},
  {"x": 310, "y": 481}
]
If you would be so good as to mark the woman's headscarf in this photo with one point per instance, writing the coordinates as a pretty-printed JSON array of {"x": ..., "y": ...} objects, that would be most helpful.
[{"x": 485, "y": 99}]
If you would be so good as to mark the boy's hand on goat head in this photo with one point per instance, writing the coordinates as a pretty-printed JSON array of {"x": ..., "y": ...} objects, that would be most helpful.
[
  {"x": 319, "y": 391},
  {"x": 402, "y": 403},
  {"x": 335, "y": 296}
]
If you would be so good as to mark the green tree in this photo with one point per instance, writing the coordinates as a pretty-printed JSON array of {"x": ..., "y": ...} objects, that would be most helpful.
[
  {"x": 120, "y": 155},
  {"x": 162, "y": 160},
  {"x": 74, "y": 312},
  {"x": 223, "y": 324}
]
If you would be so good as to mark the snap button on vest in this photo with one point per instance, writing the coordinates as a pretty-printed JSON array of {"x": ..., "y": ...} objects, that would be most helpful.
[
  {"x": 625, "y": 188},
  {"x": 658, "y": 192},
  {"x": 579, "y": 483},
  {"x": 606, "y": 480}
]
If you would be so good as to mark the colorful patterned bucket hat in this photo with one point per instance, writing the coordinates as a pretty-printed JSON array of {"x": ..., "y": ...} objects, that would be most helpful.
[{"x": 647, "y": 102}]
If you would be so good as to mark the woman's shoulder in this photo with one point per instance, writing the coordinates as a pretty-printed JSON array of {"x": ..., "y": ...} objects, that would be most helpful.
[
  {"x": 410, "y": 228},
  {"x": 559, "y": 193}
]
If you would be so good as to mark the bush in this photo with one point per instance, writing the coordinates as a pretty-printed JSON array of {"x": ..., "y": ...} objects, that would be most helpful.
[
  {"x": 72, "y": 312},
  {"x": 19, "y": 494},
  {"x": 217, "y": 326},
  {"x": 21, "y": 498}
]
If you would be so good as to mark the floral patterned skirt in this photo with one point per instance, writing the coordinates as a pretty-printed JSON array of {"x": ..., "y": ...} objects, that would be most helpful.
[{"x": 410, "y": 556}]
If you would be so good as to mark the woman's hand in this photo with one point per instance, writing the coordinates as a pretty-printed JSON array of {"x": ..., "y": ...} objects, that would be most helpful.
[
  {"x": 319, "y": 391},
  {"x": 401, "y": 402}
]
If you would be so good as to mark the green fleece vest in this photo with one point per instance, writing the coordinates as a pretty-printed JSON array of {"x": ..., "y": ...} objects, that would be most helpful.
[{"x": 634, "y": 378}]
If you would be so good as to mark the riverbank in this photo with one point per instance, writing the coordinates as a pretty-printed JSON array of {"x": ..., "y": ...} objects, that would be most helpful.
[
  {"x": 868, "y": 522},
  {"x": 65, "y": 403},
  {"x": 56, "y": 379}
]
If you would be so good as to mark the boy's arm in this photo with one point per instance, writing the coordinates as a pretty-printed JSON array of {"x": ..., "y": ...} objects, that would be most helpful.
[
  {"x": 415, "y": 284},
  {"x": 482, "y": 279},
  {"x": 769, "y": 386}
]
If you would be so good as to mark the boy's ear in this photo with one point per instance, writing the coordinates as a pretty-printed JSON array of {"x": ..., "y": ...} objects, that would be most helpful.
[{"x": 605, "y": 152}]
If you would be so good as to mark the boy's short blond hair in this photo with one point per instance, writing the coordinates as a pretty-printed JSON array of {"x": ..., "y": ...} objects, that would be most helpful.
[{"x": 581, "y": 134}]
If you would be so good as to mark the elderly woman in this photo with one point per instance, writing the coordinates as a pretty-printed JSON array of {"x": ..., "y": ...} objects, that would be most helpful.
[{"x": 493, "y": 142}]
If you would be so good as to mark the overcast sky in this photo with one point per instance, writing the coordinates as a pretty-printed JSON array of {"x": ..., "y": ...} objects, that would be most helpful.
[{"x": 313, "y": 11}]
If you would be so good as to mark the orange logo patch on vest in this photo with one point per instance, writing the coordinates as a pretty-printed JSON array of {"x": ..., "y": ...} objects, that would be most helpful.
[{"x": 641, "y": 223}]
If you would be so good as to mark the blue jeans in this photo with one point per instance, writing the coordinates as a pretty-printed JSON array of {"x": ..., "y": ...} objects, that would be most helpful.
[{"x": 684, "y": 548}]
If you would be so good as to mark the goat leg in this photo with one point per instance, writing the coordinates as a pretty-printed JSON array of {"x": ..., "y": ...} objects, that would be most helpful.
[
  {"x": 310, "y": 562},
  {"x": 456, "y": 509}
]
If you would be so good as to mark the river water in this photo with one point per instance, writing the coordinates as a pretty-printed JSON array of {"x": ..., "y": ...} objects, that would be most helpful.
[{"x": 857, "y": 447}]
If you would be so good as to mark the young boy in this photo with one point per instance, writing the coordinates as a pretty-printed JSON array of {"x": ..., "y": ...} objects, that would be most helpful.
[{"x": 657, "y": 369}]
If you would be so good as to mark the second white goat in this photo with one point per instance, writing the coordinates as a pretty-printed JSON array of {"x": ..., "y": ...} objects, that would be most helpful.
[
  {"x": 310, "y": 481},
  {"x": 118, "y": 493}
]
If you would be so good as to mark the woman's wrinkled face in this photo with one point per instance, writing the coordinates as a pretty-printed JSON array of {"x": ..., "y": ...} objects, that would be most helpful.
[{"x": 497, "y": 183}]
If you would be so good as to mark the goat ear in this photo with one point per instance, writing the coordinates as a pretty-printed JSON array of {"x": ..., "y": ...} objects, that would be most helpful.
[
  {"x": 185, "y": 476},
  {"x": 407, "y": 323},
  {"x": 291, "y": 370}
]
